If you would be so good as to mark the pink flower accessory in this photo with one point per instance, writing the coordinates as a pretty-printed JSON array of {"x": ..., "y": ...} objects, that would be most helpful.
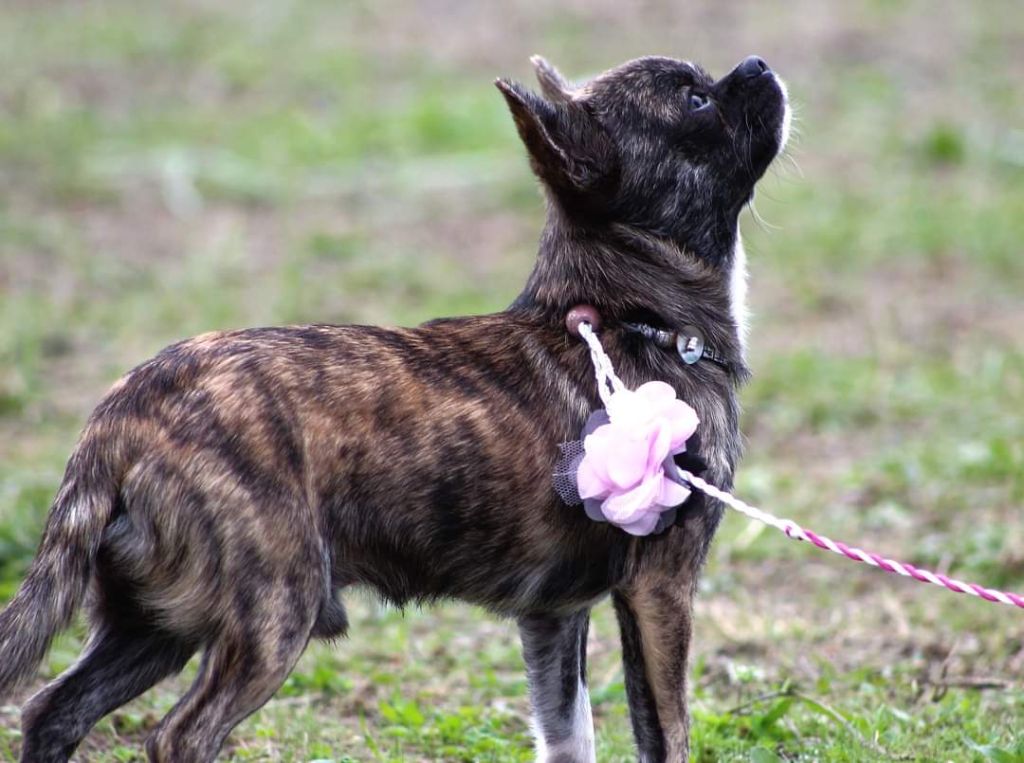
[{"x": 623, "y": 468}]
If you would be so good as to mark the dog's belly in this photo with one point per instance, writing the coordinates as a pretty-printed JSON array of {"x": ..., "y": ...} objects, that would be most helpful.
[
  {"x": 505, "y": 572},
  {"x": 462, "y": 526}
]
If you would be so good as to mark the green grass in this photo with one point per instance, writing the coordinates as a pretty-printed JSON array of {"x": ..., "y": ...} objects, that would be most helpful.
[{"x": 172, "y": 169}]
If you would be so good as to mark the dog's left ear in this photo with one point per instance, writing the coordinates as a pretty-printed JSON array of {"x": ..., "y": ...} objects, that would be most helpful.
[{"x": 569, "y": 149}]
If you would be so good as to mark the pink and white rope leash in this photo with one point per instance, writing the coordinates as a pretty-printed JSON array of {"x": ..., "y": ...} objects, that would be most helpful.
[
  {"x": 606, "y": 377},
  {"x": 796, "y": 532}
]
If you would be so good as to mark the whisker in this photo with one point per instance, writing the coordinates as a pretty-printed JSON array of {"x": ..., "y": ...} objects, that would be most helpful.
[{"x": 760, "y": 221}]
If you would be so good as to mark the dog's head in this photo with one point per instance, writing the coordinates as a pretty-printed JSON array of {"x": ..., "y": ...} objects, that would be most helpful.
[{"x": 655, "y": 143}]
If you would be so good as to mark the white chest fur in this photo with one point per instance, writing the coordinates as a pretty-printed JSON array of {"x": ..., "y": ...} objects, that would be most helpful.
[{"x": 738, "y": 292}]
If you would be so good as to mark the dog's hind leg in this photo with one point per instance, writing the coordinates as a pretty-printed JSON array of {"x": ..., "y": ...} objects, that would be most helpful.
[
  {"x": 241, "y": 669},
  {"x": 118, "y": 665},
  {"x": 555, "y": 651}
]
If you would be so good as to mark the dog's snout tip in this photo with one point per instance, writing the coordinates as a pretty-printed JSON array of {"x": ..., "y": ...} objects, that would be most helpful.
[{"x": 752, "y": 66}]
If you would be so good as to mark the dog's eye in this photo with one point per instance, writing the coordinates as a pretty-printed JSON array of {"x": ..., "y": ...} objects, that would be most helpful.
[{"x": 697, "y": 101}]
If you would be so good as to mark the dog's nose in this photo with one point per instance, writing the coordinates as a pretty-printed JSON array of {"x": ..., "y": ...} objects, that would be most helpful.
[{"x": 752, "y": 66}]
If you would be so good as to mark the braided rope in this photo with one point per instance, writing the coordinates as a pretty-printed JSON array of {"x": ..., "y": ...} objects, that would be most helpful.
[
  {"x": 796, "y": 532},
  {"x": 608, "y": 382}
]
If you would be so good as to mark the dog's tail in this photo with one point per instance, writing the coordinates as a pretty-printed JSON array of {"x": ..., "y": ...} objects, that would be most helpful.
[{"x": 59, "y": 575}]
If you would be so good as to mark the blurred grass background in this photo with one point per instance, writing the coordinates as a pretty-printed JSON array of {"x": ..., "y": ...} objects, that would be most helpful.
[{"x": 172, "y": 168}]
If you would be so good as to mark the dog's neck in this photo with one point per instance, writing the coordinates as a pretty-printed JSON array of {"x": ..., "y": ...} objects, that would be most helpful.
[{"x": 627, "y": 273}]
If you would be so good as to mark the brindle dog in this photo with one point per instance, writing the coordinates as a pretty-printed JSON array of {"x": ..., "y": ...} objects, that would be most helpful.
[{"x": 224, "y": 492}]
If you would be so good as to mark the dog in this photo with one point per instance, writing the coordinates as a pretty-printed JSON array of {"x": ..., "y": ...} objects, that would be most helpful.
[{"x": 223, "y": 493}]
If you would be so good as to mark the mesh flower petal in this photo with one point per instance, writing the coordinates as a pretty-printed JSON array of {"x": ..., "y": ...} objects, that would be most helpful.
[
  {"x": 624, "y": 507},
  {"x": 682, "y": 421},
  {"x": 614, "y": 458},
  {"x": 650, "y": 402},
  {"x": 645, "y": 525},
  {"x": 672, "y": 493},
  {"x": 628, "y": 408},
  {"x": 630, "y": 462},
  {"x": 656, "y": 392},
  {"x": 679, "y": 416},
  {"x": 658, "y": 448},
  {"x": 591, "y": 479}
]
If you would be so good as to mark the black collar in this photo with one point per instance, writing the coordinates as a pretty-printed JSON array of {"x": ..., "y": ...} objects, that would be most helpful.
[{"x": 688, "y": 342}]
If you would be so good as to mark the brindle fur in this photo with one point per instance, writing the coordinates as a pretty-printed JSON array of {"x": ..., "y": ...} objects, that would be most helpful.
[{"x": 224, "y": 492}]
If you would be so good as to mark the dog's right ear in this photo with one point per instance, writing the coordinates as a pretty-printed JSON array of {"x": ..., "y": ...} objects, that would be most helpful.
[
  {"x": 552, "y": 83},
  {"x": 569, "y": 150}
]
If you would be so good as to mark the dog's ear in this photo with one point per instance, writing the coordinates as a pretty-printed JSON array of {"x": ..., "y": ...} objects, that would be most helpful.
[
  {"x": 569, "y": 149},
  {"x": 552, "y": 83}
]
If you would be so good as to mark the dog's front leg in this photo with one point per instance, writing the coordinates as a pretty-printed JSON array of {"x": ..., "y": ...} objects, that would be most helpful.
[
  {"x": 654, "y": 619},
  {"x": 555, "y": 651}
]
